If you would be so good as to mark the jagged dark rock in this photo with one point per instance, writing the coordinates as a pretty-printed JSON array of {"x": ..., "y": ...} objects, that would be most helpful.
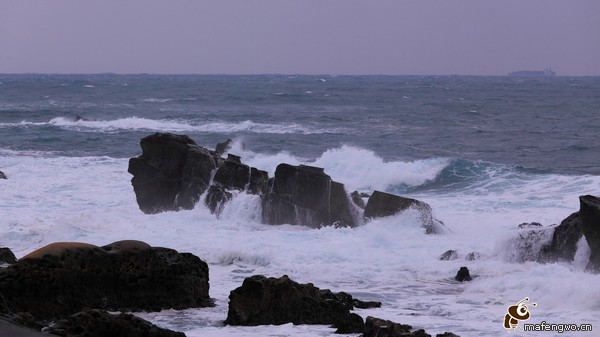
[
  {"x": 232, "y": 175},
  {"x": 171, "y": 173},
  {"x": 259, "y": 182},
  {"x": 221, "y": 148},
  {"x": 586, "y": 223},
  {"x": 2, "y": 175},
  {"x": 446, "y": 334},
  {"x": 590, "y": 218},
  {"x": 263, "y": 301},
  {"x": 563, "y": 245},
  {"x": 448, "y": 255},
  {"x": 7, "y": 256},
  {"x": 99, "y": 323},
  {"x": 381, "y": 204},
  {"x": 353, "y": 323},
  {"x": 216, "y": 197},
  {"x": 305, "y": 195},
  {"x": 463, "y": 275},
  {"x": 526, "y": 225},
  {"x": 63, "y": 278},
  {"x": 376, "y": 327}
]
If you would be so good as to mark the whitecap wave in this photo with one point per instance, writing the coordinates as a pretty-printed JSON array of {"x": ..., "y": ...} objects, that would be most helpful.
[{"x": 164, "y": 125}]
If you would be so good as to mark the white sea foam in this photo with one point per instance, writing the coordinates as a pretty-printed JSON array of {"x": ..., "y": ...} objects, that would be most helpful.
[
  {"x": 163, "y": 125},
  {"x": 48, "y": 199}
]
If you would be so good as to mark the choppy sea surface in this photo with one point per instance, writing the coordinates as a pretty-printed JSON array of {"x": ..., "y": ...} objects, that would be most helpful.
[{"x": 487, "y": 153}]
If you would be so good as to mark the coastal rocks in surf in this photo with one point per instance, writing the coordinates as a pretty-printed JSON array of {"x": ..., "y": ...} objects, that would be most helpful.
[
  {"x": 265, "y": 301},
  {"x": 381, "y": 204},
  {"x": 377, "y": 327},
  {"x": 560, "y": 243},
  {"x": 99, "y": 323},
  {"x": 2, "y": 175},
  {"x": 305, "y": 195},
  {"x": 171, "y": 173},
  {"x": 63, "y": 278},
  {"x": 583, "y": 223}
]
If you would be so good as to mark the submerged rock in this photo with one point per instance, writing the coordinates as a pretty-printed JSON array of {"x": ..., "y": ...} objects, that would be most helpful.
[
  {"x": 63, "y": 278},
  {"x": 2, "y": 175},
  {"x": 375, "y": 327},
  {"x": 99, "y": 323},
  {"x": 463, "y": 275},
  {"x": 264, "y": 301},
  {"x": 449, "y": 255}
]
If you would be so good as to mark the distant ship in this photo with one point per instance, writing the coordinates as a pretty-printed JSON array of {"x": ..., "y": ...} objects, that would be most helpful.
[{"x": 533, "y": 73}]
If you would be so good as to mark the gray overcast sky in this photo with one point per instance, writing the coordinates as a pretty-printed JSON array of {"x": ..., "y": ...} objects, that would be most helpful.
[{"x": 466, "y": 37}]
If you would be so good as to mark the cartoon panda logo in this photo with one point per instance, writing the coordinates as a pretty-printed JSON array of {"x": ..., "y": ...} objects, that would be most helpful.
[{"x": 516, "y": 313}]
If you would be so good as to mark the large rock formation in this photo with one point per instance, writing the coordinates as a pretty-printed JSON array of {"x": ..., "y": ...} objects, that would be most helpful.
[
  {"x": 263, "y": 301},
  {"x": 99, "y": 323},
  {"x": 305, "y": 195},
  {"x": 381, "y": 204},
  {"x": 171, "y": 173},
  {"x": 560, "y": 243},
  {"x": 63, "y": 278}
]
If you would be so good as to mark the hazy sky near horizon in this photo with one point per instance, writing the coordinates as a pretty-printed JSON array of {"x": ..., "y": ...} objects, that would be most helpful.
[{"x": 465, "y": 37}]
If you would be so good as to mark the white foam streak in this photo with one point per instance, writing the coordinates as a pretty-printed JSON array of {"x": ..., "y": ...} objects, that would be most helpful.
[{"x": 163, "y": 125}]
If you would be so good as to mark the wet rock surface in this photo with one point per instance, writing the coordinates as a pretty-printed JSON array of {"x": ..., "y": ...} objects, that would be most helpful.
[
  {"x": 263, "y": 301},
  {"x": 63, "y": 278}
]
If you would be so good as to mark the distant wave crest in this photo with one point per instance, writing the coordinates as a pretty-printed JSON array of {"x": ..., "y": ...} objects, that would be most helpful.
[{"x": 137, "y": 123}]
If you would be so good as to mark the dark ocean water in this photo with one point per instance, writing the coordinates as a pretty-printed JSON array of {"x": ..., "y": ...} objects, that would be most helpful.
[{"x": 546, "y": 124}]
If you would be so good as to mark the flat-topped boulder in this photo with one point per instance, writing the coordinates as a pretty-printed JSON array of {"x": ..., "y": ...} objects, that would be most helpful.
[
  {"x": 305, "y": 195},
  {"x": 64, "y": 278}
]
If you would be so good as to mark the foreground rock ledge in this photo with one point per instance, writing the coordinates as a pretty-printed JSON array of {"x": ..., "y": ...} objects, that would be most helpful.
[
  {"x": 264, "y": 301},
  {"x": 99, "y": 323},
  {"x": 64, "y": 278}
]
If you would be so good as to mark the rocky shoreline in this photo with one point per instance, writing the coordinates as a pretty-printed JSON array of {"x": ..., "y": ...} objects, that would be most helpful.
[{"x": 76, "y": 289}]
